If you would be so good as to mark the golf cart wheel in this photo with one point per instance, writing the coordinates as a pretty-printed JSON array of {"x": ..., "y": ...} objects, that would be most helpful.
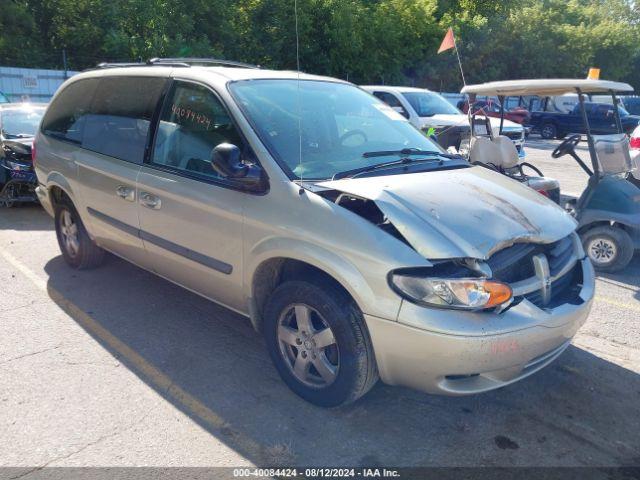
[
  {"x": 548, "y": 131},
  {"x": 319, "y": 343},
  {"x": 77, "y": 248},
  {"x": 610, "y": 249}
]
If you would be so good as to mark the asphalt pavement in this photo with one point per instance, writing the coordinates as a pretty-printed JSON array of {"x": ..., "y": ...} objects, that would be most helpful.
[{"x": 117, "y": 367}]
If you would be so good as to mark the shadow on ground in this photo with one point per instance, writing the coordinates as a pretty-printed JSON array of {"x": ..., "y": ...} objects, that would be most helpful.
[{"x": 581, "y": 410}]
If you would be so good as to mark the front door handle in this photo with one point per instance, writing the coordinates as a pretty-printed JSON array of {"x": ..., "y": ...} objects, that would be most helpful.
[
  {"x": 127, "y": 193},
  {"x": 149, "y": 200}
]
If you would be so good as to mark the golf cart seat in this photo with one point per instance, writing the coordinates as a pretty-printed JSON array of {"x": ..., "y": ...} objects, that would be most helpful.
[
  {"x": 612, "y": 153},
  {"x": 497, "y": 151},
  {"x": 509, "y": 157}
]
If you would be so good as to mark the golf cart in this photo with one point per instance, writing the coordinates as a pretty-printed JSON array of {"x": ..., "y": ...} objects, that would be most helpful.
[{"x": 608, "y": 211}]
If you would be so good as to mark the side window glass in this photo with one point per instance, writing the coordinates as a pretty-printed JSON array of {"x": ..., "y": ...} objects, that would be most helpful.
[
  {"x": 66, "y": 116},
  {"x": 393, "y": 102},
  {"x": 192, "y": 124},
  {"x": 120, "y": 116}
]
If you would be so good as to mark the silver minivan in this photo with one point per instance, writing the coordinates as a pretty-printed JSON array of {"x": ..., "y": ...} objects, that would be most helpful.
[{"x": 357, "y": 246}]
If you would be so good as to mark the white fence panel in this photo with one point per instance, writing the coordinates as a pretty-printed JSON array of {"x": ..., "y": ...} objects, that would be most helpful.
[{"x": 31, "y": 84}]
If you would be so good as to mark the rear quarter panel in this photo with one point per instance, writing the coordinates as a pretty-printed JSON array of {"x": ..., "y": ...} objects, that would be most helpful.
[{"x": 55, "y": 166}]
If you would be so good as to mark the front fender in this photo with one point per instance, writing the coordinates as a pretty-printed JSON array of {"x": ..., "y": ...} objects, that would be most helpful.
[{"x": 377, "y": 299}]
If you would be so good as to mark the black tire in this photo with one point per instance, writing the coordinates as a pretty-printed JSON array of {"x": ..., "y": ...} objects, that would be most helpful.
[
  {"x": 88, "y": 254},
  {"x": 548, "y": 131},
  {"x": 357, "y": 370},
  {"x": 599, "y": 238}
]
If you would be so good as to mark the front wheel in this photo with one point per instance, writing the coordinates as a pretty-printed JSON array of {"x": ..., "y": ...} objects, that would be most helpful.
[
  {"x": 610, "y": 249},
  {"x": 319, "y": 343},
  {"x": 77, "y": 248}
]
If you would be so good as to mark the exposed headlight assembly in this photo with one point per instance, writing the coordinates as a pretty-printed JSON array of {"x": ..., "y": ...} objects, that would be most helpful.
[{"x": 455, "y": 293}]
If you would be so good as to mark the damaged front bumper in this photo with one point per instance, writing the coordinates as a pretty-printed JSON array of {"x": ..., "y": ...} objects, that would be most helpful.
[{"x": 458, "y": 353}]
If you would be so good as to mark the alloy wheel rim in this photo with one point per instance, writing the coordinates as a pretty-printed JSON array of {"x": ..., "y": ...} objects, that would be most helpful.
[
  {"x": 548, "y": 131},
  {"x": 602, "y": 251},
  {"x": 69, "y": 232},
  {"x": 308, "y": 346}
]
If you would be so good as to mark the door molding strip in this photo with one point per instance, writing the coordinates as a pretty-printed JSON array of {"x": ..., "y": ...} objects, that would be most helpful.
[{"x": 187, "y": 253}]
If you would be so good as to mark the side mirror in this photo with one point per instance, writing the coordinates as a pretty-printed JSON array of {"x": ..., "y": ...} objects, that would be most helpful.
[{"x": 226, "y": 160}]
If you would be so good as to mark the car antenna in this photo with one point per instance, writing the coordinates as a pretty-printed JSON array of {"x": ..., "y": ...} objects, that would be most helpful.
[{"x": 295, "y": 12}]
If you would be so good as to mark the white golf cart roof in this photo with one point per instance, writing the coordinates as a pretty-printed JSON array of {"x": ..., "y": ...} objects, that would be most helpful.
[{"x": 545, "y": 87}]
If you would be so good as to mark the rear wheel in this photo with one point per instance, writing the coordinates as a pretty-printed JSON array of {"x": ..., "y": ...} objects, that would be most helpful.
[
  {"x": 77, "y": 248},
  {"x": 610, "y": 249},
  {"x": 319, "y": 343},
  {"x": 548, "y": 131}
]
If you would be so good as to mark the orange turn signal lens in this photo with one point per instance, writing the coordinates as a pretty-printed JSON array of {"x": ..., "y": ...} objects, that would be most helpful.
[{"x": 498, "y": 293}]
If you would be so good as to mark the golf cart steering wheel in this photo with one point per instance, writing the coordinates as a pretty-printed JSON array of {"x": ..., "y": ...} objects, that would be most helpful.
[{"x": 568, "y": 146}]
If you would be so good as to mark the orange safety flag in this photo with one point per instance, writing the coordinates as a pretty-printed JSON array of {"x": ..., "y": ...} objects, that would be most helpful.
[{"x": 447, "y": 42}]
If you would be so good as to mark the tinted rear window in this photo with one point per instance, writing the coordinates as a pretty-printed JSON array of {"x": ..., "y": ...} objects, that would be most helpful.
[
  {"x": 65, "y": 117},
  {"x": 121, "y": 113}
]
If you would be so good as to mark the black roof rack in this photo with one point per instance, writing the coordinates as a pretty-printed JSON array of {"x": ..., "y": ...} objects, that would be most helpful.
[{"x": 178, "y": 62}]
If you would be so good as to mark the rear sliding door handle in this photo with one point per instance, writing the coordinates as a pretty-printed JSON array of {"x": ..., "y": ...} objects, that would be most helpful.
[
  {"x": 126, "y": 193},
  {"x": 150, "y": 201}
]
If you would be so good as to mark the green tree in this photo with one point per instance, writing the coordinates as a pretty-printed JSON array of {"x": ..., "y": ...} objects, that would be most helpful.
[{"x": 365, "y": 41}]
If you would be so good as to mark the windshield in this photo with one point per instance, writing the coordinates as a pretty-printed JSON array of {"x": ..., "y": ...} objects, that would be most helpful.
[
  {"x": 20, "y": 122},
  {"x": 427, "y": 104},
  {"x": 339, "y": 123}
]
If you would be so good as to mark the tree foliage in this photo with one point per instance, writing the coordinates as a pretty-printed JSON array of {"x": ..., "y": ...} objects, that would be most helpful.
[{"x": 366, "y": 41}]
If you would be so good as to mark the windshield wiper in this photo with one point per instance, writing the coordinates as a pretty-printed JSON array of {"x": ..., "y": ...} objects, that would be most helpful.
[
  {"x": 402, "y": 161},
  {"x": 405, "y": 152}
]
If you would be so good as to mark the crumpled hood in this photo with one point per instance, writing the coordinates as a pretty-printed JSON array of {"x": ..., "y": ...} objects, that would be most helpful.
[{"x": 469, "y": 212}]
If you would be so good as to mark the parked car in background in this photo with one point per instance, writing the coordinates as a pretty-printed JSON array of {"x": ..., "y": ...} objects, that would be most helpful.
[
  {"x": 631, "y": 103},
  {"x": 492, "y": 108},
  {"x": 429, "y": 110},
  {"x": 18, "y": 125},
  {"x": 600, "y": 115},
  {"x": 353, "y": 242}
]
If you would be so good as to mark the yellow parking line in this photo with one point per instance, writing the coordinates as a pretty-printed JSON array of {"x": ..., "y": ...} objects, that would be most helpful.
[
  {"x": 625, "y": 306},
  {"x": 160, "y": 380}
]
